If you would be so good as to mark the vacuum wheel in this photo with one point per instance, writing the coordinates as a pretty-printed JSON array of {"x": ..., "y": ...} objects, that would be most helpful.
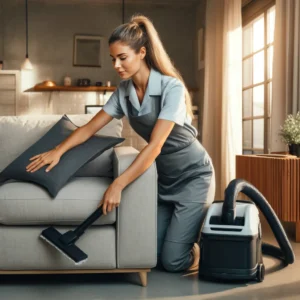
[{"x": 260, "y": 274}]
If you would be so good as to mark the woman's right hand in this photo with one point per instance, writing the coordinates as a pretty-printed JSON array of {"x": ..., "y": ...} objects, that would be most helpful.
[{"x": 50, "y": 158}]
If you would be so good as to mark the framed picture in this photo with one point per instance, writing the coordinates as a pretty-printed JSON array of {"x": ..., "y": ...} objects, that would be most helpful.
[
  {"x": 87, "y": 51},
  {"x": 92, "y": 109}
]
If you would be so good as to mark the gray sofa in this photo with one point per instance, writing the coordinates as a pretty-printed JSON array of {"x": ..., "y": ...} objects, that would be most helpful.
[{"x": 122, "y": 241}]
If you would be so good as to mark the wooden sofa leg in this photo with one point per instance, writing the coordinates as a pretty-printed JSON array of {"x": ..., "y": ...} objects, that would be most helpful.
[
  {"x": 298, "y": 232},
  {"x": 143, "y": 278}
]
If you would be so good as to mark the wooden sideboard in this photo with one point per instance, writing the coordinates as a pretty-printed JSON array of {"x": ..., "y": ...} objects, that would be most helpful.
[{"x": 277, "y": 177}]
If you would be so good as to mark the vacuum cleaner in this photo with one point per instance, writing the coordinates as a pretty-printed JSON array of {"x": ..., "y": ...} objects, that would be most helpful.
[
  {"x": 65, "y": 243},
  {"x": 231, "y": 238}
]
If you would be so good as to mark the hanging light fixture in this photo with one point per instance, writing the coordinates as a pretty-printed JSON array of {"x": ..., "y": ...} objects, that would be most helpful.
[
  {"x": 27, "y": 64},
  {"x": 123, "y": 11}
]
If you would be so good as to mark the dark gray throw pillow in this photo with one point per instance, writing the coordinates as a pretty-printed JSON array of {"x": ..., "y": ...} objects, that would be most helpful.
[{"x": 69, "y": 163}]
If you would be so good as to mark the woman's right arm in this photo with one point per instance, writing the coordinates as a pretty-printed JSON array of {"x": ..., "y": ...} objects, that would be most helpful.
[{"x": 79, "y": 136}]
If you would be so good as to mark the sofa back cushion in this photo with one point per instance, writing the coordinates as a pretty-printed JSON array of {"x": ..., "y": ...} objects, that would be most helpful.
[{"x": 17, "y": 133}]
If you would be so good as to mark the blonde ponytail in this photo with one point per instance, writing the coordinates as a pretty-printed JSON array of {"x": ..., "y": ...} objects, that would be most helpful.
[{"x": 140, "y": 32}]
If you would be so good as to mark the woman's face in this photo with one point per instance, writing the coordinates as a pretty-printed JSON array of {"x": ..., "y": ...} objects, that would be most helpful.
[{"x": 125, "y": 61}]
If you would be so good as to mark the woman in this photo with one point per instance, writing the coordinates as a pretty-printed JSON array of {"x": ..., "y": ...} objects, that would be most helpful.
[{"x": 155, "y": 100}]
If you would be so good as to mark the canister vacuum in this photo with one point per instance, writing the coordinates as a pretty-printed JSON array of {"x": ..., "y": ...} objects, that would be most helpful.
[{"x": 231, "y": 239}]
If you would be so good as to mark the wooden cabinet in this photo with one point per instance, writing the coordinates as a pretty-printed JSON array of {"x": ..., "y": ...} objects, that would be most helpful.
[
  {"x": 9, "y": 92},
  {"x": 277, "y": 177}
]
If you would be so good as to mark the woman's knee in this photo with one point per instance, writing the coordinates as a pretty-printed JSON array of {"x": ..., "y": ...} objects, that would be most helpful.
[
  {"x": 174, "y": 258},
  {"x": 170, "y": 265}
]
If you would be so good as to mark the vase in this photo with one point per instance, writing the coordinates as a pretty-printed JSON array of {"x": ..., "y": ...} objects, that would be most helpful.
[
  {"x": 294, "y": 149},
  {"x": 67, "y": 81}
]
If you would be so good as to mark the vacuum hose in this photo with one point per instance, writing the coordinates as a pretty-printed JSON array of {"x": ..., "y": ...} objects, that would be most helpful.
[{"x": 285, "y": 252}]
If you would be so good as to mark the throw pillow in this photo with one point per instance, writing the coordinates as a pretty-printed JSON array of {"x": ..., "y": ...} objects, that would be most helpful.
[{"x": 70, "y": 162}]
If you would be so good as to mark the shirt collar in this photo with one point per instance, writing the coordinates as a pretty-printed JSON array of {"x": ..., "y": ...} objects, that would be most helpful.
[{"x": 154, "y": 86}]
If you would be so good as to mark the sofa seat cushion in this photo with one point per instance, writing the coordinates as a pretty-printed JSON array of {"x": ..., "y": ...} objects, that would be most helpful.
[
  {"x": 26, "y": 203},
  {"x": 22, "y": 249}
]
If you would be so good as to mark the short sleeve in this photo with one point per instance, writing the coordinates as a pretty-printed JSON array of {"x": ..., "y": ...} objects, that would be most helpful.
[
  {"x": 173, "y": 105},
  {"x": 113, "y": 107}
]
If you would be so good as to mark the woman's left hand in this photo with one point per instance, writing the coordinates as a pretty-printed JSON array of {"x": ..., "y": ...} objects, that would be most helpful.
[{"x": 111, "y": 198}]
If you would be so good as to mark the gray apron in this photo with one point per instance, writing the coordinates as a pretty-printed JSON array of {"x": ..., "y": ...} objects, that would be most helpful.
[{"x": 185, "y": 187}]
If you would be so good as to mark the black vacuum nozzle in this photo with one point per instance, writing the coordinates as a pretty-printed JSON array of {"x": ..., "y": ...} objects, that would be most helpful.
[
  {"x": 53, "y": 237},
  {"x": 66, "y": 242}
]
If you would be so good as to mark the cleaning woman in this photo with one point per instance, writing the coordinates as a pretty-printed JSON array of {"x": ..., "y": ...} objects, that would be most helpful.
[{"x": 153, "y": 96}]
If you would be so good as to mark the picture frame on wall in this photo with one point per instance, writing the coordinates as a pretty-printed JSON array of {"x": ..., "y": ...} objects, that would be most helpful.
[
  {"x": 92, "y": 109},
  {"x": 87, "y": 50}
]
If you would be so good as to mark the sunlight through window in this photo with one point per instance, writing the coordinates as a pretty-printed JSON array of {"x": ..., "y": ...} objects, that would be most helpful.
[
  {"x": 258, "y": 34},
  {"x": 258, "y": 39}
]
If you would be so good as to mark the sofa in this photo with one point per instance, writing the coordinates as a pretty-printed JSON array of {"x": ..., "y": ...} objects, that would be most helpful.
[{"x": 124, "y": 240}]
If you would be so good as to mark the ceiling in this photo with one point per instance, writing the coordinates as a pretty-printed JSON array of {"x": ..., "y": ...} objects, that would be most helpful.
[
  {"x": 154, "y": 2},
  {"x": 135, "y": 2}
]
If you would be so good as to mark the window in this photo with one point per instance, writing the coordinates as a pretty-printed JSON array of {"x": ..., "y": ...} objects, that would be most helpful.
[{"x": 258, "y": 39}]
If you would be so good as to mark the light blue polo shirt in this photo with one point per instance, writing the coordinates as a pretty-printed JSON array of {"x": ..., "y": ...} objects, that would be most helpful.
[{"x": 171, "y": 91}]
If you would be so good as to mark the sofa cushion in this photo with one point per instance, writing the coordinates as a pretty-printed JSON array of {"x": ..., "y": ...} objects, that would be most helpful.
[
  {"x": 69, "y": 163},
  {"x": 27, "y": 203},
  {"x": 22, "y": 249},
  {"x": 17, "y": 133}
]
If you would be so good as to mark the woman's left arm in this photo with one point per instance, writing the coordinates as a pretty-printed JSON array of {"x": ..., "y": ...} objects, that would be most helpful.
[{"x": 143, "y": 161}]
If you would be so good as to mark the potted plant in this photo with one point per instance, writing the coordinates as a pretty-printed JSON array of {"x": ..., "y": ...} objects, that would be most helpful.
[{"x": 290, "y": 133}]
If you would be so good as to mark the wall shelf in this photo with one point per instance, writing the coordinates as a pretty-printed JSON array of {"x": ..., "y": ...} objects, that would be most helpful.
[
  {"x": 72, "y": 89},
  {"x": 80, "y": 89},
  {"x": 61, "y": 88}
]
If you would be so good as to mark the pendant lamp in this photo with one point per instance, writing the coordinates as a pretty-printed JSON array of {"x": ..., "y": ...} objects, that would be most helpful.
[
  {"x": 27, "y": 64},
  {"x": 123, "y": 11}
]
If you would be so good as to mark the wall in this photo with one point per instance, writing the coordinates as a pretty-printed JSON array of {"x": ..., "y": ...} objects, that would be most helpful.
[
  {"x": 199, "y": 73},
  {"x": 52, "y": 25},
  {"x": 1, "y": 30},
  {"x": 51, "y": 30}
]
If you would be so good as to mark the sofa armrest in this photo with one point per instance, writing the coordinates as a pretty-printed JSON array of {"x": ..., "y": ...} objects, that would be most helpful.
[{"x": 136, "y": 215}]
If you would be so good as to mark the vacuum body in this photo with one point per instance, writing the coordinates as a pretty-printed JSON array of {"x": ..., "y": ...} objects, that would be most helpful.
[
  {"x": 232, "y": 252},
  {"x": 231, "y": 238}
]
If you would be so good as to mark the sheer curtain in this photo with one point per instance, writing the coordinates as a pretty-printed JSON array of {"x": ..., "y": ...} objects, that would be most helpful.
[
  {"x": 286, "y": 68},
  {"x": 222, "y": 110}
]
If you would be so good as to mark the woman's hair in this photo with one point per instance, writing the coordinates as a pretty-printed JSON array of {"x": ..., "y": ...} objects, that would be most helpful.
[{"x": 140, "y": 32}]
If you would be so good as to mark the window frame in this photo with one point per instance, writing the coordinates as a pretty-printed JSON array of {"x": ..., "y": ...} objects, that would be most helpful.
[{"x": 250, "y": 12}]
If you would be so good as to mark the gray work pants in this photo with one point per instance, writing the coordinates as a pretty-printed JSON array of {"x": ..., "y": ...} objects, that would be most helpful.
[{"x": 181, "y": 211}]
